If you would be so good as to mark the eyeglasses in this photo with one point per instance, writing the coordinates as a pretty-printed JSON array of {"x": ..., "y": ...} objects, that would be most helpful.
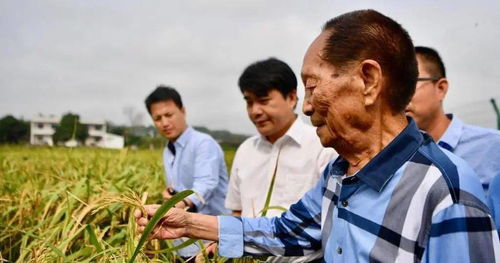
[{"x": 429, "y": 79}]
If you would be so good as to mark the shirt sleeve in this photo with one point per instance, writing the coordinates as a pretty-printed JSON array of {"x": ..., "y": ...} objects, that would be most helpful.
[
  {"x": 296, "y": 233},
  {"x": 462, "y": 233},
  {"x": 206, "y": 172},
  {"x": 233, "y": 197}
]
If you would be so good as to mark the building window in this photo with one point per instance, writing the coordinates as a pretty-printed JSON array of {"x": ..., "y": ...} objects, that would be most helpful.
[{"x": 40, "y": 125}]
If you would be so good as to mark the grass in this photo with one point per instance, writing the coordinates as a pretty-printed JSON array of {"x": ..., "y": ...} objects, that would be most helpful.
[{"x": 76, "y": 204}]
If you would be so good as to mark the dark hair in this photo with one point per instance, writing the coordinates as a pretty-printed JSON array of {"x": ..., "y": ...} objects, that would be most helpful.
[
  {"x": 265, "y": 75},
  {"x": 367, "y": 34},
  {"x": 434, "y": 64},
  {"x": 163, "y": 93}
]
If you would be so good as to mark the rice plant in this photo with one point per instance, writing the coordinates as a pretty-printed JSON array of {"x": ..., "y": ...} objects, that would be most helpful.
[{"x": 76, "y": 205}]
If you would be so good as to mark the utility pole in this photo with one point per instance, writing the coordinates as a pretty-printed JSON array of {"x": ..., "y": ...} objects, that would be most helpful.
[{"x": 495, "y": 107}]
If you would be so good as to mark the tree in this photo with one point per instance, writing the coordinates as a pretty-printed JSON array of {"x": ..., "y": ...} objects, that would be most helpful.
[
  {"x": 134, "y": 118},
  {"x": 13, "y": 130},
  {"x": 70, "y": 128}
]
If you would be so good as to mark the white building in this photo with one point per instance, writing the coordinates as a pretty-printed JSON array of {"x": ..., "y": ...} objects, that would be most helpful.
[
  {"x": 100, "y": 138},
  {"x": 43, "y": 129}
]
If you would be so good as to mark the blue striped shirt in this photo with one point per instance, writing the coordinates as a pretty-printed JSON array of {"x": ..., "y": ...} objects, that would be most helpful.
[
  {"x": 411, "y": 203},
  {"x": 494, "y": 200}
]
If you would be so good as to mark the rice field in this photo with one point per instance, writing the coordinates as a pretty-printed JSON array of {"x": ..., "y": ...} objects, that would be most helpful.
[{"x": 76, "y": 204}]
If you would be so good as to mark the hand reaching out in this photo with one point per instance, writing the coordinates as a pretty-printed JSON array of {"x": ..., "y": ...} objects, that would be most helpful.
[
  {"x": 178, "y": 223},
  {"x": 172, "y": 225}
]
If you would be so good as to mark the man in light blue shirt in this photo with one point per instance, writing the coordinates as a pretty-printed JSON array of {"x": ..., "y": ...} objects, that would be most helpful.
[
  {"x": 192, "y": 160},
  {"x": 478, "y": 146},
  {"x": 392, "y": 196}
]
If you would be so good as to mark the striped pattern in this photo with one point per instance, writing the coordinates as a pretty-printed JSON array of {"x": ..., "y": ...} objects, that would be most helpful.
[{"x": 411, "y": 203}]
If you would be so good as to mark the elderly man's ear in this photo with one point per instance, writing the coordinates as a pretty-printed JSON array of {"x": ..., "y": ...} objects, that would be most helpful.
[{"x": 371, "y": 74}]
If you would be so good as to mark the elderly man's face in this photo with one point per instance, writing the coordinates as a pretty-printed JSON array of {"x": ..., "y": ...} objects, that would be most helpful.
[{"x": 333, "y": 97}]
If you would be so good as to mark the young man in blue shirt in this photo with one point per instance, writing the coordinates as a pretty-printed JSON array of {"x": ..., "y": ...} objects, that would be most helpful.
[
  {"x": 478, "y": 146},
  {"x": 192, "y": 160},
  {"x": 392, "y": 196}
]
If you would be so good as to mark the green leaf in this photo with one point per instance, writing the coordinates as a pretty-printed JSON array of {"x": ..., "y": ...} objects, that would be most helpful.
[
  {"x": 271, "y": 187},
  {"x": 82, "y": 253},
  {"x": 93, "y": 238},
  {"x": 171, "y": 249},
  {"x": 276, "y": 207},
  {"x": 162, "y": 210}
]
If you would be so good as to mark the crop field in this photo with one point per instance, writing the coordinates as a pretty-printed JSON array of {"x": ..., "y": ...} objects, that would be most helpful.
[{"x": 76, "y": 204}]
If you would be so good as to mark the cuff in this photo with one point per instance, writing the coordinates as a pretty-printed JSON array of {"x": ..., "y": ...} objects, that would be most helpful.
[
  {"x": 196, "y": 201},
  {"x": 230, "y": 236},
  {"x": 232, "y": 205}
]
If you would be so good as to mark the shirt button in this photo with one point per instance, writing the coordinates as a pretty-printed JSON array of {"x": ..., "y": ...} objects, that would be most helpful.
[
  {"x": 344, "y": 203},
  {"x": 339, "y": 250}
]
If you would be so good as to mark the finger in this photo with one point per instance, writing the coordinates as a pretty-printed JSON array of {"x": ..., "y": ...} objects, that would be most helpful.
[
  {"x": 151, "y": 209},
  {"x": 137, "y": 214},
  {"x": 154, "y": 234},
  {"x": 142, "y": 221}
]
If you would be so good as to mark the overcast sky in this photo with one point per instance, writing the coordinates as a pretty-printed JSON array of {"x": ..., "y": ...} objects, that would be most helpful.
[{"x": 96, "y": 58}]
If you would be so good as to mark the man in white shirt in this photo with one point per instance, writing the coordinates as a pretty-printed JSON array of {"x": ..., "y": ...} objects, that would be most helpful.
[
  {"x": 286, "y": 155},
  {"x": 285, "y": 148}
]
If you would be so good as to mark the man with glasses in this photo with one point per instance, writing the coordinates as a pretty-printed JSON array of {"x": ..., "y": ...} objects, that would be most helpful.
[{"x": 478, "y": 146}]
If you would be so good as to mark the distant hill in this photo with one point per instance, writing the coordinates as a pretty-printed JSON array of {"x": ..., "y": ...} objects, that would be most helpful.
[{"x": 223, "y": 137}]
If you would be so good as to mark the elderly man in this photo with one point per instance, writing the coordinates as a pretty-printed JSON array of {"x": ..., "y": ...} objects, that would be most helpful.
[
  {"x": 478, "y": 146},
  {"x": 392, "y": 195}
]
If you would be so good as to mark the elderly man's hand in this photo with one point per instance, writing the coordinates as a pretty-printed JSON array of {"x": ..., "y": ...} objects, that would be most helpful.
[{"x": 172, "y": 225}]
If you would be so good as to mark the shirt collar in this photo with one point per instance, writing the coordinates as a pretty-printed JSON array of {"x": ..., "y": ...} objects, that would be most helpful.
[
  {"x": 384, "y": 165},
  {"x": 295, "y": 132},
  {"x": 184, "y": 137},
  {"x": 453, "y": 133}
]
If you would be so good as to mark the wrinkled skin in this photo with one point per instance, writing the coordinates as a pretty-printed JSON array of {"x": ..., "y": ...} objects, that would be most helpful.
[
  {"x": 333, "y": 98},
  {"x": 175, "y": 219}
]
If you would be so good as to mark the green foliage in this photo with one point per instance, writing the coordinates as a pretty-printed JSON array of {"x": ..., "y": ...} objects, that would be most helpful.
[
  {"x": 70, "y": 128},
  {"x": 13, "y": 130},
  {"x": 118, "y": 130}
]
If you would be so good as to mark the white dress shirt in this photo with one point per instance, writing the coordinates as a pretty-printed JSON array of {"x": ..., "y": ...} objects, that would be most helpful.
[{"x": 302, "y": 159}]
